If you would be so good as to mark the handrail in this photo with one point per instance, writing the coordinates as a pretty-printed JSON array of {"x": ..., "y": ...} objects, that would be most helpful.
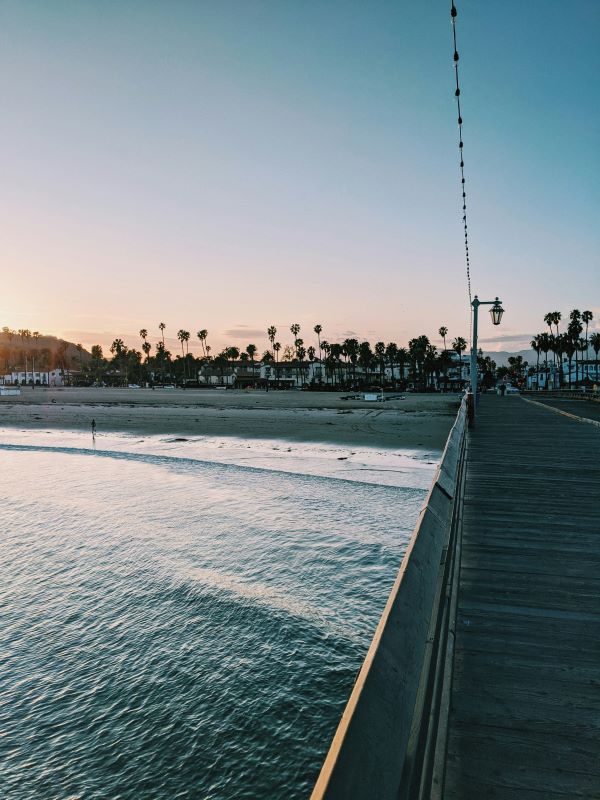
[
  {"x": 387, "y": 741},
  {"x": 564, "y": 394}
]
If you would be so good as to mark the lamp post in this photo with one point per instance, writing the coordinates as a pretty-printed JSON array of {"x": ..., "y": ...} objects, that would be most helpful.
[{"x": 496, "y": 312}]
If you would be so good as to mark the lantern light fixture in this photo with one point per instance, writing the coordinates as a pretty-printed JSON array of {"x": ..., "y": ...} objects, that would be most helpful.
[{"x": 496, "y": 312}]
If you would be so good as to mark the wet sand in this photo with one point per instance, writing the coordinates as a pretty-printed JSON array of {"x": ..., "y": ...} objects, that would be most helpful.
[{"x": 417, "y": 420}]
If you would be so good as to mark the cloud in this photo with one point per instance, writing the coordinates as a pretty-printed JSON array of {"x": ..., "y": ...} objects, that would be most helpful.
[
  {"x": 507, "y": 337},
  {"x": 244, "y": 332}
]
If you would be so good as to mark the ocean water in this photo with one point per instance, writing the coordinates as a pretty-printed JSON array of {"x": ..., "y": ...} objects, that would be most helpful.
[{"x": 185, "y": 618}]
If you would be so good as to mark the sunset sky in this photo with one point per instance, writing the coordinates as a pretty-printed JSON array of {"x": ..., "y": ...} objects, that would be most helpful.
[{"x": 234, "y": 164}]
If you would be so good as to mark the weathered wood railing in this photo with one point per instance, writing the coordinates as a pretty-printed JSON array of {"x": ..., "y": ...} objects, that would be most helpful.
[{"x": 390, "y": 742}]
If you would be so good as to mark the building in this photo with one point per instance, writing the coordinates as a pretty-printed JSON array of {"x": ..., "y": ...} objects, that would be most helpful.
[
  {"x": 53, "y": 377},
  {"x": 578, "y": 374}
]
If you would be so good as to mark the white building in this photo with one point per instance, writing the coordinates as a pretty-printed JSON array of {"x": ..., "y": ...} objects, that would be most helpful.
[
  {"x": 572, "y": 375},
  {"x": 53, "y": 377}
]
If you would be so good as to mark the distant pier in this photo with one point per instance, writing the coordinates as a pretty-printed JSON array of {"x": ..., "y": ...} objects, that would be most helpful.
[{"x": 508, "y": 700}]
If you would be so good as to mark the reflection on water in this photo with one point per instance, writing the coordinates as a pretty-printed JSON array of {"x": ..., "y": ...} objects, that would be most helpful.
[{"x": 181, "y": 628}]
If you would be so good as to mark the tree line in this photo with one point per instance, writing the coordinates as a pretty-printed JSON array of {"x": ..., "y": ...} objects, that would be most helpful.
[{"x": 419, "y": 361}]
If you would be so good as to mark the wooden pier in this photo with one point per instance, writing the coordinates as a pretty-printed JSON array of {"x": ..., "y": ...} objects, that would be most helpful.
[
  {"x": 524, "y": 718},
  {"x": 483, "y": 677}
]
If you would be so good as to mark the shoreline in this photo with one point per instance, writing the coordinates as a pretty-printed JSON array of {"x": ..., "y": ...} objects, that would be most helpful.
[{"x": 415, "y": 421}]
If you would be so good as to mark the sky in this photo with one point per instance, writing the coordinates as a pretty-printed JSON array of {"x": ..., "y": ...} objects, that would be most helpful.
[{"x": 237, "y": 164}]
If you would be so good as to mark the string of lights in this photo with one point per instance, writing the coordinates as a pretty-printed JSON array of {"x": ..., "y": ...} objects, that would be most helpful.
[{"x": 453, "y": 14}]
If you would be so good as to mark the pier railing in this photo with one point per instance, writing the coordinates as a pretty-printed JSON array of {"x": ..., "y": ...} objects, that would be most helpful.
[
  {"x": 564, "y": 394},
  {"x": 391, "y": 740}
]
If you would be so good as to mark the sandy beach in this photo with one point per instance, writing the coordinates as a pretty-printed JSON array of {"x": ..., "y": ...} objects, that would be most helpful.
[{"x": 417, "y": 420}]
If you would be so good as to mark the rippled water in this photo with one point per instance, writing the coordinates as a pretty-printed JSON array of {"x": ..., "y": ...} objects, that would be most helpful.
[{"x": 175, "y": 627}]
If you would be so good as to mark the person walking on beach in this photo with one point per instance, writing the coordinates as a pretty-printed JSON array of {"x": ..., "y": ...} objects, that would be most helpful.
[{"x": 93, "y": 427}]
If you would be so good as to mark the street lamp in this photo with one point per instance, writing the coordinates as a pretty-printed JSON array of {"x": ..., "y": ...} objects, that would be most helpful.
[{"x": 496, "y": 312}]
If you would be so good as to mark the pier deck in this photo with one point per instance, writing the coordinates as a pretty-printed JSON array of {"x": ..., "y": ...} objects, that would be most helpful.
[{"x": 525, "y": 711}]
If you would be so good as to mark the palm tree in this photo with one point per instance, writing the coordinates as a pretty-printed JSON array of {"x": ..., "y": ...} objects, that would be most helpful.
[
  {"x": 402, "y": 357},
  {"x": 220, "y": 362},
  {"x": 595, "y": 342},
  {"x": 557, "y": 347},
  {"x": 298, "y": 346},
  {"x": 535, "y": 346},
  {"x": 301, "y": 354},
  {"x": 443, "y": 332},
  {"x": 574, "y": 330},
  {"x": 295, "y": 330},
  {"x": 444, "y": 363},
  {"x": 568, "y": 348},
  {"x": 146, "y": 347},
  {"x": 251, "y": 352},
  {"x": 351, "y": 347},
  {"x": 117, "y": 347},
  {"x": 459, "y": 345},
  {"x": 379, "y": 350},
  {"x": 232, "y": 353},
  {"x": 202, "y": 334},
  {"x": 275, "y": 356},
  {"x": 430, "y": 362},
  {"x": 391, "y": 354},
  {"x": 318, "y": 329},
  {"x": 417, "y": 349},
  {"x": 143, "y": 334},
  {"x": 335, "y": 356},
  {"x": 581, "y": 347},
  {"x": 162, "y": 327},
  {"x": 553, "y": 318},
  {"x": 161, "y": 358},
  {"x": 549, "y": 319},
  {"x": 544, "y": 343},
  {"x": 119, "y": 351},
  {"x": 326, "y": 348},
  {"x": 97, "y": 360},
  {"x": 586, "y": 318},
  {"x": 183, "y": 336},
  {"x": 365, "y": 359},
  {"x": 271, "y": 334}
]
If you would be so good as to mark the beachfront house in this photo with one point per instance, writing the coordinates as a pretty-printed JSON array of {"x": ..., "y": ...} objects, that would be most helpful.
[
  {"x": 576, "y": 374},
  {"x": 456, "y": 377},
  {"x": 49, "y": 378},
  {"x": 233, "y": 374}
]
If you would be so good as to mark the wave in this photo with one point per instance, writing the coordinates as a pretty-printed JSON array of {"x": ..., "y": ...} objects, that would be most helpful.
[
  {"x": 236, "y": 597},
  {"x": 174, "y": 461}
]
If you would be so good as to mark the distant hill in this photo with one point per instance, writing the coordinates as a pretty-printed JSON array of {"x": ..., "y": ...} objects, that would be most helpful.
[
  {"x": 14, "y": 345},
  {"x": 501, "y": 357}
]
